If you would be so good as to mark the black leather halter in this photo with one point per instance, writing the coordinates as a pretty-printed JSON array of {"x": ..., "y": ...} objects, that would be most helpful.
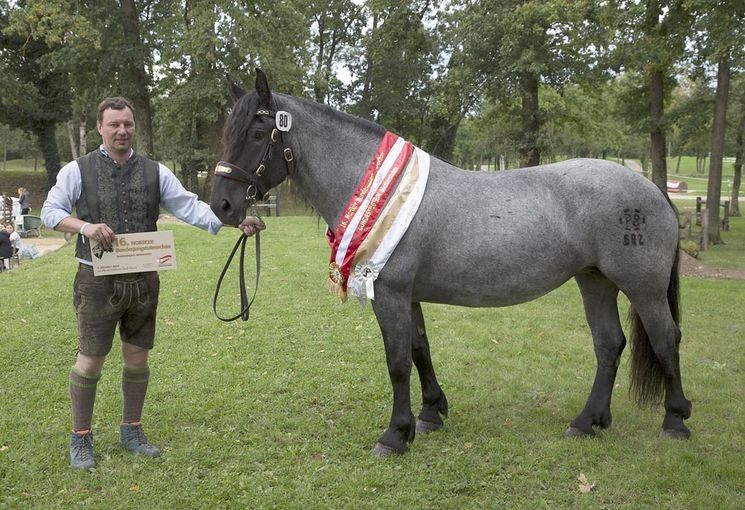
[{"x": 256, "y": 190}]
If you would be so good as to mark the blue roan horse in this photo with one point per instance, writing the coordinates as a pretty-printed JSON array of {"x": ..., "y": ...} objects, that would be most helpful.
[{"x": 482, "y": 239}]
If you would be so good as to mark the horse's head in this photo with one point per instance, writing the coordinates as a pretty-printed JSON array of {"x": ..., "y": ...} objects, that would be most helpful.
[{"x": 255, "y": 157}]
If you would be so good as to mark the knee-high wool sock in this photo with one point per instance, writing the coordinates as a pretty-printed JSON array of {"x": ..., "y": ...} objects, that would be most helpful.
[
  {"x": 134, "y": 388},
  {"x": 82, "y": 397}
]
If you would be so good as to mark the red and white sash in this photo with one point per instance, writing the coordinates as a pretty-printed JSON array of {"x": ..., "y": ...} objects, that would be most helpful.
[{"x": 368, "y": 232}]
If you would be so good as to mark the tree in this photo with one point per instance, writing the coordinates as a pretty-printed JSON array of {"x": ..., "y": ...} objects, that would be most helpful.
[
  {"x": 393, "y": 67},
  {"x": 734, "y": 203},
  {"x": 650, "y": 39},
  {"x": 136, "y": 57},
  {"x": 37, "y": 97},
  {"x": 689, "y": 116},
  {"x": 337, "y": 25},
  {"x": 720, "y": 40},
  {"x": 515, "y": 46},
  {"x": 197, "y": 43}
]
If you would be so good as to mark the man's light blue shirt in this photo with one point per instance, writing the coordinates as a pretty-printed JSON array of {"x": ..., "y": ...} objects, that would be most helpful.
[{"x": 176, "y": 199}]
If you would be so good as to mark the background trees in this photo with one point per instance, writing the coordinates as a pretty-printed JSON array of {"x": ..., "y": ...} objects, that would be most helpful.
[{"x": 493, "y": 83}]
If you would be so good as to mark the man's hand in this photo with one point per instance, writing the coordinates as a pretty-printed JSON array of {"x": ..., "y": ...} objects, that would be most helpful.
[
  {"x": 251, "y": 225},
  {"x": 100, "y": 232}
]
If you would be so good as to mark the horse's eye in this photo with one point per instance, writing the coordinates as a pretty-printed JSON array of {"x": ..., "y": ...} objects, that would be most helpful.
[{"x": 259, "y": 135}]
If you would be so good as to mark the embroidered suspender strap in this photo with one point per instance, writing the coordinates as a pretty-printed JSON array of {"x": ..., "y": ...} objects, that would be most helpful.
[
  {"x": 152, "y": 180},
  {"x": 89, "y": 188}
]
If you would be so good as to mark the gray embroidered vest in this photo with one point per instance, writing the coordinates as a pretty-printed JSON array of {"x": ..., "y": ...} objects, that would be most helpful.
[{"x": 125, "y": 197}]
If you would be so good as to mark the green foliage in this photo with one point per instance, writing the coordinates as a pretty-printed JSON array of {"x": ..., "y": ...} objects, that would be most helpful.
[
  {"x": 282, "y": 411},
  {"x": 458, "y": 78},
  {"x": 394, "y": 61}
]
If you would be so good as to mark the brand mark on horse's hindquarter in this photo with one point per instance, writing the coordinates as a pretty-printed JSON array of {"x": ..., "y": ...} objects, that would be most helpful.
[{"x": 632, "y": 221}]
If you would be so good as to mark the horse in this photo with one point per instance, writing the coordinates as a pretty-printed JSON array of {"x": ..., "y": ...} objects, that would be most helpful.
[{"x": 481, "y": 239}]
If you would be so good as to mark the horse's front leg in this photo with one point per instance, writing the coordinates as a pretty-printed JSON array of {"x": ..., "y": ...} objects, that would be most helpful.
[
  {"x": 434, "y": 402},
  {"x": 393, "y": 312}
]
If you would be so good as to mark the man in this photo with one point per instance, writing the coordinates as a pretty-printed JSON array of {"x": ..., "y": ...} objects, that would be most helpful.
[{"x": 115, "y": 191}]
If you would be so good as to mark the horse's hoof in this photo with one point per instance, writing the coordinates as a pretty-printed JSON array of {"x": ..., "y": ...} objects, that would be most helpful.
[
  {"x": 675, "y": 434},
  {"x": 425, "y": 427},
  {"x": 382, "y": 451},
  {"x": 575, "y": 432}
]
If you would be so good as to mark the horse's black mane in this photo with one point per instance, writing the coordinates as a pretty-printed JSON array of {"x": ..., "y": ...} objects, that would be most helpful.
[{"x": 237, "y": 124}]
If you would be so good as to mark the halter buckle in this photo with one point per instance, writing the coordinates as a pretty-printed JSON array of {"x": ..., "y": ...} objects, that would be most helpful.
[
  {"x": 260, "y": 170},
  {"x": 251, "y": 192},
  {"x": 274, "y": 135},
  {"x": 288, "y": 154}
]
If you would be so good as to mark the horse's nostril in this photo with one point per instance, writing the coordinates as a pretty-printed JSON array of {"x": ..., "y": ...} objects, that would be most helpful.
[{"x": 225, "y": 205}]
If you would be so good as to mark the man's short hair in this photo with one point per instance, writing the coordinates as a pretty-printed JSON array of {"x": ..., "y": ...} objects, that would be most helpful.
[{"x": 115, "y": 103}]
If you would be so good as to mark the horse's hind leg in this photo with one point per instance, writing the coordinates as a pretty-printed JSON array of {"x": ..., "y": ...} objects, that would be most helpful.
[
  {"x": 600, "y": 295},
  {"x": 434, "y": 402},
  {"x": 655, "y": 363}
]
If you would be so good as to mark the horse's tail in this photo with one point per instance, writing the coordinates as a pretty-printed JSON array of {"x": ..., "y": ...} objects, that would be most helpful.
[{"x": 647, "y": 377}]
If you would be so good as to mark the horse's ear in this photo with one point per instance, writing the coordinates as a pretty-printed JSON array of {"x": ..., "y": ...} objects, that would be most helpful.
[
  {"x": 262, "y": 88},
  {"x": 235, "y": 91}
]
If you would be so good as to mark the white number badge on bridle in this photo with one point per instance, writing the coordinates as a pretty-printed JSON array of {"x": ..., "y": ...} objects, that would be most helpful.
[{"x": 284, "y": 120}]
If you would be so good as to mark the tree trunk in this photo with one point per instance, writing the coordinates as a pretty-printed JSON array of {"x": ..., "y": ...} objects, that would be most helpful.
[
  {"x": 83, "y": 127},
  {"x": 138, "y": 78},
  {"x": 657, "y": 132},
  {"x": 529, "y": 152},
  {"x": 46, "y": 137},
  {"x": 214, "y": 144},
  {"x": 319, "y": 88},
  {"x": 71, "y": 138},
  {"x": 365, "y": 103},
  {"x": 714, "y": 189},
  {"x": 734, "y": 206}
]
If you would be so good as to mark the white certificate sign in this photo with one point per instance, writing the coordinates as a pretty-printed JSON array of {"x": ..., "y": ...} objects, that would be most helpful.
[{"x": 135, "y": 253}]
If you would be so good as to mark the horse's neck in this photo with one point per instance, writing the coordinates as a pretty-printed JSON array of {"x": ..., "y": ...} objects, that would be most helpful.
[{"x": 333, "y": 150}]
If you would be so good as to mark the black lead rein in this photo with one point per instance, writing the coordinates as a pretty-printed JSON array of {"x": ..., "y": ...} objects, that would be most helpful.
[
  {"x": 245, "y": 303},
  {"x": 254, "y": 183}
]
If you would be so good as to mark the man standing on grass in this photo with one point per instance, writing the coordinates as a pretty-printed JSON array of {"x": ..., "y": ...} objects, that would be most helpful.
[{"x": 115, "y": 191}]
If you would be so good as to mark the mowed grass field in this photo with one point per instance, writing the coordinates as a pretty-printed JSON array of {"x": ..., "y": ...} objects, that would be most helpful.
[{"x": 282, "y": 411}]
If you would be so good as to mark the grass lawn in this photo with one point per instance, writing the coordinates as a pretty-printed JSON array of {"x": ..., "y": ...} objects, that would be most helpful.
[{"x": 282, "y": 411}]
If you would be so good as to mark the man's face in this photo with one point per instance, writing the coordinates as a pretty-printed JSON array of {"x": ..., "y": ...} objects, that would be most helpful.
[{"x": 117, "y": 129}]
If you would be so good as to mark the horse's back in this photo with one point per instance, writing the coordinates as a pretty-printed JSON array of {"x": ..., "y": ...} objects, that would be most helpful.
[{"x": 500, "y": 238}]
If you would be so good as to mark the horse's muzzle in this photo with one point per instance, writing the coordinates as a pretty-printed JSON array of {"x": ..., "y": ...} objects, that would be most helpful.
[{"x": 229, "y": 209}]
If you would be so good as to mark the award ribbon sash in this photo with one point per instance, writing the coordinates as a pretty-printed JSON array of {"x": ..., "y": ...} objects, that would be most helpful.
[
  {"x": 364, "y": 214},
  {"x": 394, "y": 220}
]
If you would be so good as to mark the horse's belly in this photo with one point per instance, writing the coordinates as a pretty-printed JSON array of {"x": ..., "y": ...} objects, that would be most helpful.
[{"x": 491, "y": 285}]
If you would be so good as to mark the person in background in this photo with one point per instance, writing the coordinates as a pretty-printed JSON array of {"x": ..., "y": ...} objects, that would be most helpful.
[
  {"x": 15, "y": 238},
  {"x": 24, "y": 201},
  {"x": 6, "y": 250},
  {"x": 116, "y": 191}
]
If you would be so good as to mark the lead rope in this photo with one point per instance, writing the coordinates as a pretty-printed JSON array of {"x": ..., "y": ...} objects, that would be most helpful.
[{"x": 245, "y": 303}]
